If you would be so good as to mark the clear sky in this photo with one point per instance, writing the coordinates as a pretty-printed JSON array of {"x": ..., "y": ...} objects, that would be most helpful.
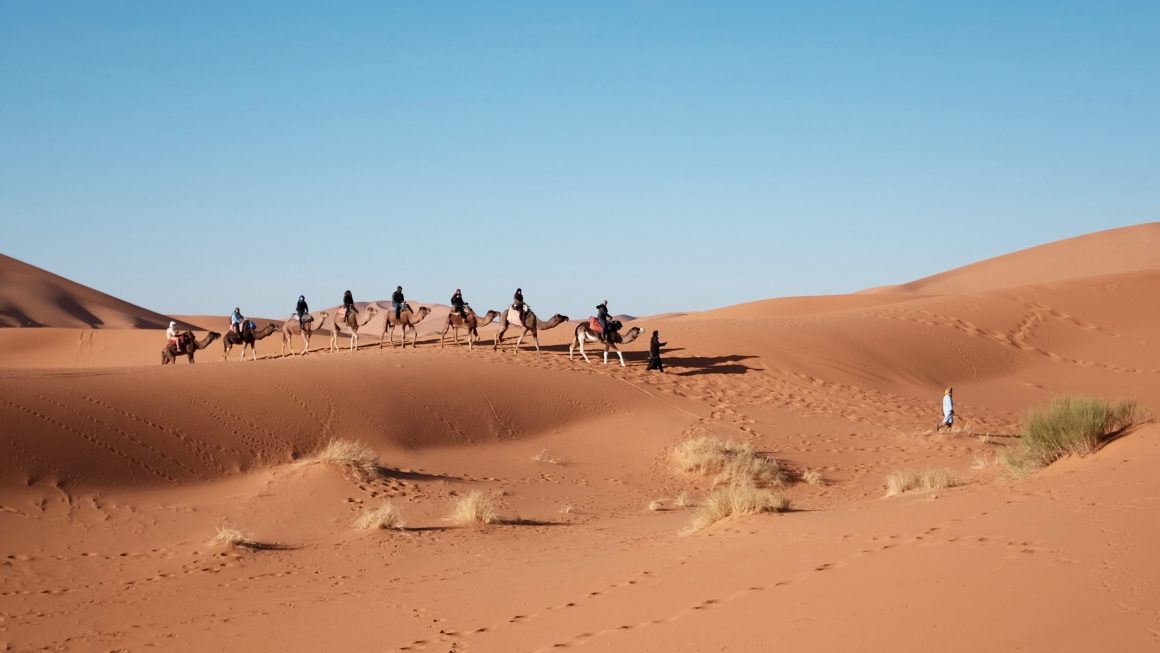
[{"x": 664, "y": 155}]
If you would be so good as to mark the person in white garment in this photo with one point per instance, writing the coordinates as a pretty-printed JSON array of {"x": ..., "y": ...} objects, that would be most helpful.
[{"x": 948, "y": 410}]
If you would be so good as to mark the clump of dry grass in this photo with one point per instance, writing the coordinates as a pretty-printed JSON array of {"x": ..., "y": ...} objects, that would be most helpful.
[
  {"x": 737, "y": 498},
  {"x": 543, "y": 457},
  {"x": 385, "y": 516},
  {"x": 1069, "y": 425},
  {"x": 927, "y": 480},
  {"x": 729, "y": 461},
  {"x": 474, "y": 508},
  {"x": 658, "y": 504},
  {"x": 233, "y": 538},
  {"x": 683, "y": 500},
  {"x": 355, "y": 459},
  {"x": 813, "y": 477},
  {"x": 567, "y": 509}
]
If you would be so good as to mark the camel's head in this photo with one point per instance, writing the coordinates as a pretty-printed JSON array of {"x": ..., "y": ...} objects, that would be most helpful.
[
  {"x": 560, "y": 318},
  {"x": 371, "y": 309},
  {"x": 214, "y": 335},
  {"x": 423, "y": 311},
  {"x": 633, "y": 333}
]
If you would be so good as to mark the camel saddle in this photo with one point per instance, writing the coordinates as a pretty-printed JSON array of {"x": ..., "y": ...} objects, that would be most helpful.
[
  {"x": 594, "y": 324},
  {"x": 514, "y": 316},
  {"x": 182, "y": 341}
]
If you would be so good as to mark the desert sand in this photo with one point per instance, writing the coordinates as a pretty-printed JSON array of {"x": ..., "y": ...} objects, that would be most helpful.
[{"x": 116, "y": 473}]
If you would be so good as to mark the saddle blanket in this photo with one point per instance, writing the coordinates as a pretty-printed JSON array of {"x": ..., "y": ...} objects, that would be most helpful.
[
  {"x": 594, "y": 324},
  {"x": 513, "y": 316}
]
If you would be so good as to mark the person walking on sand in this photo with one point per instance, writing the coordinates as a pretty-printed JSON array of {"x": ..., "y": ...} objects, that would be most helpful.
[
  {"x": 948, "y": 410},
  {"x": 654, "y": 353}
]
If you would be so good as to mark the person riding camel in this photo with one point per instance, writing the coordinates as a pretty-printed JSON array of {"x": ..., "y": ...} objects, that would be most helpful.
[
  {"x": 302, "y": 310},
  {"x": 171, "y": 335},
  {"x": 604, "y": 320},
  {"x": 348, "y": 305},
  {"x": 457, "y": 303},
  {"x": 518, "y": 302},
  {"x": 237, "y": 321},
  {"x": 397, "y": 302}
]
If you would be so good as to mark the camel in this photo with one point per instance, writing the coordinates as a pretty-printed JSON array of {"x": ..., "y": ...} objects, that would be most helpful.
[
  {"x": 472, "y": 324},
  {"x": 407, "y": 318},
  {"x": 292, "y": 327},
  {"x": 584, "y": 333},
  {"x": 171, "y": 352},
  {"x": 246, "y": 339},
  {"x": 351, "y": 323},
  {"x": 530, "y": 323}
]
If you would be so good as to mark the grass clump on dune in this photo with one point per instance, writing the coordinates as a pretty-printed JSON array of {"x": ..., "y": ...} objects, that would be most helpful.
[
  {"x": 474, "y": 508},
  {"x": 385, "y": 516},
  {"x": 926, "y": 480},
  {"x": 729, "y": 461},
  {"x": 355, "y": 459},
  {"x": 737, "y": 498},
  {"x": 1066, "y": 426},
  {"x": 233, "y": 538}
]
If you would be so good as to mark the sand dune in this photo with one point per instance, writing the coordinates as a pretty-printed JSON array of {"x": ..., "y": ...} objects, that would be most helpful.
[
  {"x": 1127, "y": 249},
  {"x": 116, "y": 472},
  {"x": 32, "y": 297}
]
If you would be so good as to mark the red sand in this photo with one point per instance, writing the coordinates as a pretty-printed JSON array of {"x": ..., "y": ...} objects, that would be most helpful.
[{"x": 115, "y": 473}]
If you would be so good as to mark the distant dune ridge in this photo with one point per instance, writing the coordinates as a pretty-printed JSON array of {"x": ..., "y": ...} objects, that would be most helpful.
[{"x": 33, "y": 297}]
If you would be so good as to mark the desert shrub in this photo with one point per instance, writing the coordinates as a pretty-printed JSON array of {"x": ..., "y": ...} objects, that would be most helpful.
[
  {"x": 474, "y": 508},
  {"x": 813, "y": 477},
  {"x": 233, "y": 538},
  {"x": 728, "y": 461},
  {"x": 926, "y": 480},
  {"x": 739, "y": 497},
  {"x": 1068, "y": 425},
  {"x": 385, "y": 516},
  {"x": 355, "y": 459}
]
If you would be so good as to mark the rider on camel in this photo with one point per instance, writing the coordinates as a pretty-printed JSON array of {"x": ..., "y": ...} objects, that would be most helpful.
[
  {"x": 302, "y": 310},
  {"x": 457, "y": 303},
  {"x": 604, "y": 320},
  {"x": 397, "y": 301},
  {"x": 348, "y": 304}
]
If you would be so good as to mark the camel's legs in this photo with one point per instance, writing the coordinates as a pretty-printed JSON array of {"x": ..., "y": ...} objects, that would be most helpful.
[
  {"x": 536, "y": 339},
  {"x": 619, "y": 353},
  {"x": 582, "y": 338},
  {"x": 334, "y": 340},
  {"x": 253, "y": 353}
]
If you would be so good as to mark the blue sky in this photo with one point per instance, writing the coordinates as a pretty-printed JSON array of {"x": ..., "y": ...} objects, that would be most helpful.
[{"x": 190, "y": 157}]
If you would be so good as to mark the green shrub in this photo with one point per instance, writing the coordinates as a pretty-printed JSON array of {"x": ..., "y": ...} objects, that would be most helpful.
[{"x": 1068, "y": 425}]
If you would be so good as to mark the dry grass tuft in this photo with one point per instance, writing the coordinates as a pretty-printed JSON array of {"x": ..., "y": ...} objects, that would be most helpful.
[
  {"x": 658, "y": 504},
  {"x": 475, "y": 508},
  {"x": 543, "y": 457},
  {"x": 813, "y": 477},
  {"x": 729, "y": 461},
  {"x": 683, "y": 500},
  {"x": 567, "y": 509},
  {"x": 736, "y": 498},
  {"x": 1068, "y": 425},
  {"x": 385, "y": 516},
  {"x": 233, "y": 538},
  {"x": 927, "y": 480},
  {"x": 982, "y": 461},
  {"x": 355, "y": 459}
]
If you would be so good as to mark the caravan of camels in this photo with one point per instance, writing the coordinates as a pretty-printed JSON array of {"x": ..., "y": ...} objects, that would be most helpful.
[{"x": 245, "y": 333}]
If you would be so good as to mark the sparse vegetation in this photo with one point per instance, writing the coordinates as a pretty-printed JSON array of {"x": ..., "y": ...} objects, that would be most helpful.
[
  {"x": 567, "y": 509},
  {"x": 543, "y": 457},
  {"x": 356, "y": 460},
  {"x": 233, "y": 538},
  {"x": 813, "y": 477},
  {"x": 656, "y": 505},
  {"x": 926, "y": 480},
  {"x": 385, "y": 516},
  {"x": 683, "y": 500},
  {"x": 1066, "y": 426},
  {"x": 739, "y": 497},
  {"x": 729, "y": 461},
  {"x": 474, "y": 508}
]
